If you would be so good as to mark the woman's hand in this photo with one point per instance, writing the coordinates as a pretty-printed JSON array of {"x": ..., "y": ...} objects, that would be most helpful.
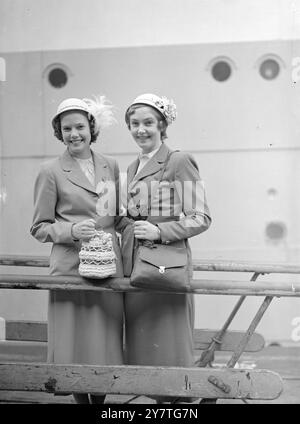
[
  {"x": 84, "y": 230},
  {"x": 145, "y": 230}
]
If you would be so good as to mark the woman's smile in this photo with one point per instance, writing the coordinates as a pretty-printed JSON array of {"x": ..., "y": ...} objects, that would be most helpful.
[{"x": 77, "y": 141}]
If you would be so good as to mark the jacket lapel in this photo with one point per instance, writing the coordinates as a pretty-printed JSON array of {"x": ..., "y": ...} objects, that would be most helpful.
[
  {"x": 132, "y": 170},
  {"x": 154, "y": 165},
  {"x": 74, "y": 173}
]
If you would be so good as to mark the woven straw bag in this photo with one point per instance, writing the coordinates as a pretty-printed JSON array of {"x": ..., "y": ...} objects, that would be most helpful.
[{"x": 97, "y": 256}]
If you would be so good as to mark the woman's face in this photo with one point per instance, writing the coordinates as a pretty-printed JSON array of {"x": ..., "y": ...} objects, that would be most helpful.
[
  {"x": 76, "y": 133},
  {"x": 145, "y": 129}
]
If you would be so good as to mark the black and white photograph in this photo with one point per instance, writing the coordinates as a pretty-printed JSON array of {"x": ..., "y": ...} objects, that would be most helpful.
[{"x": 150, "y": 206}]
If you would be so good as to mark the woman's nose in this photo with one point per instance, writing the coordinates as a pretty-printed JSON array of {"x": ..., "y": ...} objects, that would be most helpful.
[
  {"x": 74, "y": 133},
  {"x": 141, "y": 130}
]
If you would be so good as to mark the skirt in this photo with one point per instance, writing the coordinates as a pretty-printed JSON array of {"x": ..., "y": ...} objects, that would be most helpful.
[
  {"x": 159, "y": 329},
  {"x": 85, "y": 328}
]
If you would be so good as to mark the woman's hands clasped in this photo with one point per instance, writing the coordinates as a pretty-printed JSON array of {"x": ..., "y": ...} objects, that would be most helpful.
[
  {"x": 84, "y": 230},
  {"x": 146, "y": 231}
]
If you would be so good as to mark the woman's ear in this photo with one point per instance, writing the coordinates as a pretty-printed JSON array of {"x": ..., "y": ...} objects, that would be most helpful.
[{"x": 162, "y": 125}]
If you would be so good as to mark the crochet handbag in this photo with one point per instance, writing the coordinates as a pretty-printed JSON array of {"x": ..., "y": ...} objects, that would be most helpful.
[
  {"x": 97, "y": 256},
  {"x": 159, "y": 266}
]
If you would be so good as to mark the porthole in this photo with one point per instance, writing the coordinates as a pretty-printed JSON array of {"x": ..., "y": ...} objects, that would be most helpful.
[
  {"x": 269, "y": 69},
  {"x": 221, "y": 71},
  {"x": 272, "y": 193},
  {"x": 58, "y": 77},
  {"x": 275, "y": 231}
]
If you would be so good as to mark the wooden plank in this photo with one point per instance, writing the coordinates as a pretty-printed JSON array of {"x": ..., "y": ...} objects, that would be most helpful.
[
  {"x": 230, "y": 341},
  {"x": 23, "y": 260},
  {"x": 246, "y": 266},
  {"x": 31, "y": 351},
  {"x": 9, "y": 397},
  {"x": 149, "y": 381},
  {"x": 42, "y": 282},
  {"x": 26, "y": 330},
  {"x": 203, "y": 286},
  {"x": 25, "y": 351},
  {"x": 199, "y": 265},
  {"x": 50, "y": 398},
  {"x": 37, "y": 331}
]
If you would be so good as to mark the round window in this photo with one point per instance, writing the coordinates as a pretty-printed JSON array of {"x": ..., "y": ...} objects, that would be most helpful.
[
  {"x": 221, "y": 71},
  {"x": 269, "y": 69},
  {"x": 275, "y": 231},
  {"x": 58, "y": 77}
]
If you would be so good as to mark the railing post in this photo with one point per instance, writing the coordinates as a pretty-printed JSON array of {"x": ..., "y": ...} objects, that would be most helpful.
[
  {"x": 208, "y": 355},
  {"x": 258, "y": 316}
]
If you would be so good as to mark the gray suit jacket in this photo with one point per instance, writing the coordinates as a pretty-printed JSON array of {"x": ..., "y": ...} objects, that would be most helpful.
[
  {"x": 177, "y": 204},
  {"x": 64, "y": 196}
]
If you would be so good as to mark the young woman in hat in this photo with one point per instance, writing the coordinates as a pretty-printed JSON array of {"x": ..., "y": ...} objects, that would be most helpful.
[
  {"x": 83, "y": 327},
  {"x": 159, "y": 327}
]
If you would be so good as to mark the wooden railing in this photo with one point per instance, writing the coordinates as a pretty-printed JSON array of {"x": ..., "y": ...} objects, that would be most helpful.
[
  {"x": 201, "y": 382},
  {"x": 198, "y": 286},
  {"x": 198, "y": 265}
]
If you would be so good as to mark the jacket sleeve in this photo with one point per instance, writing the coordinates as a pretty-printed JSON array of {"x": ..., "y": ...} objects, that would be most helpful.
[
  {"x": 45, "y": 227},
  {"x": 195, "y": 213}
]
